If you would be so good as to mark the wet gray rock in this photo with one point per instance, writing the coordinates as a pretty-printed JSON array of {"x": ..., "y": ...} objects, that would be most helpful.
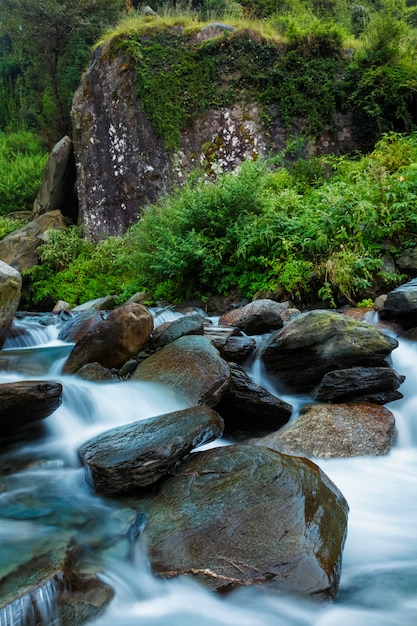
[
  {"x": 137, "y": 455},
  {"x": 232, "y": 345},
  {"x": 187, "y": 325},
  {"x": 26, "y": 402},
  {"x": 317, "y": 342},
  {"x": 360, "y": 384},
  {"x": 336, "y": 430},
  {"x": 248, "y": 406},
  {"x": 246, "y": 515},
  {"x": 111, "y": 342},
  {"x": 191, "y": 367},
  {"x": 257, "y": 317},
  {"x": 79, "y": 325},
  {"x": 10, "y": 291},
  {"x": 401, "y": 305}
]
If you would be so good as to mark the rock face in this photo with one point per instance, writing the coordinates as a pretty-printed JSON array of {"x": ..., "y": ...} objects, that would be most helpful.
[
  {"x": 187, "y": 325},
  {"x": 10, "y": 290},
  {"x": 122, "y": 163},
  {"x": 318, "y": 342},
  {"x": 191, "y": 366},
  {"x": 114, "y": 340},
  {"x": 19, "y": 248},
  {"x": 243, "y": 515},
  {"x": 57, "y": 191},
  {"x": 257, "y": 317},
  {"x": 137, "y": 455},
  {"x": 336, "y": 430}
]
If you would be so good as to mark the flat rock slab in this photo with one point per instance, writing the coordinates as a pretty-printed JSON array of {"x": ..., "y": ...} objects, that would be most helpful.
[
  {"x": 360, "y": 384},
  {"x": 242, "y": 515},
  {"x": 336, "y": 430},
  {"x": 137, "y": 455}
]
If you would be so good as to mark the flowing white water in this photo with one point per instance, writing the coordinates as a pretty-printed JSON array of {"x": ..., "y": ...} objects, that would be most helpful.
[{"x": 379, "y": 577}]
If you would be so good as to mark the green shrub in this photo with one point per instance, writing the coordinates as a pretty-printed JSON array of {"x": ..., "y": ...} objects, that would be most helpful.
[{"x": 22, "y": 164}]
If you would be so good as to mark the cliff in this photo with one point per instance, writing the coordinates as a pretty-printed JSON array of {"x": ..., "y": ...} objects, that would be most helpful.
[{"x": 155, "y": 105}]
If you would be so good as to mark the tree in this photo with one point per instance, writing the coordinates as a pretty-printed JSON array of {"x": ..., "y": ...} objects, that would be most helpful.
[{"x": 50, "y": 41}]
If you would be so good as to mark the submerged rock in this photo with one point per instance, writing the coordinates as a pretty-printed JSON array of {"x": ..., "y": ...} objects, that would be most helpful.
[
  {"x": 190, "y": 366},
  {"x": 317, "y": 342},
  {"x": 137, "y": 455},
  {"x": 336, "y": 430},
  {"x": 111, "y": 342},
  {"x": 245, "y": 515}
]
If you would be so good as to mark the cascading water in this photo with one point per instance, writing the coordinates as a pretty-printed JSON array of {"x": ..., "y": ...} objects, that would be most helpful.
[{"x": 49, "y": 499}]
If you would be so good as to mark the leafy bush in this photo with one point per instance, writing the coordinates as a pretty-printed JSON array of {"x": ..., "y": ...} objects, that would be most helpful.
[{"x": 22, "y": 163}]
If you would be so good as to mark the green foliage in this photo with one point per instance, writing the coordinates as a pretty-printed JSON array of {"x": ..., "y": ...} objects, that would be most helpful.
[
  {"x": 22, "y": 164},
  {"x": 8, "y": 225}
]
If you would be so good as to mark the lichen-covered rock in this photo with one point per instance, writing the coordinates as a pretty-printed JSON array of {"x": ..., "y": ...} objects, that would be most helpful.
[
  {"x": 257, "y": 317},
  {"x": 137, "y": 455},
  {"x": 246, "y": 515},
  {"x": 191, "y": 367},
  {"x": 18, "y": 249},
  {"x": 10, "y": 291},
  {"x": 317, "y": 342},
  {"x": 111, "y": 342},
  {"x": 336, "y": 430}
]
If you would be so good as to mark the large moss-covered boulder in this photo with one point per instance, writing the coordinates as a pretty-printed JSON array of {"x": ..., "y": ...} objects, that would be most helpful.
[
  {"x": 10, "y": 290},
  {"x": 245, "y": 515},
  {"x": 317, "y": 342}
]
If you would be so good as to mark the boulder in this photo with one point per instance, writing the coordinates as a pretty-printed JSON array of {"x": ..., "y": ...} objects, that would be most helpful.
[
  {"x": 95, "y": 372},
  {"x": 137, "y": 455},
  {"x": 167, "y": 333},
  {"x": 401, "y": 305},
  {"x": 232, "y": 345},
  {"x": 257, "y": 317},
  {"x": 26, "y": 402},
  {"x": 18, "y": 249},
  {"x": 114, "y": 340},
  {"x": 336, "y": 430},
  {"x": 317, "y": 342},
  {"x": 10, "y": 291},
  {"x": 248, "y": 406},
  {"x": 106, "y": 303},
  {"x": 191, "y": 366},
  {"x": 79, "y": 325},
  {"x": 360, "y": 384},
  {"x": 246, "y": 515},
  {"x": 57, "y": 191}
]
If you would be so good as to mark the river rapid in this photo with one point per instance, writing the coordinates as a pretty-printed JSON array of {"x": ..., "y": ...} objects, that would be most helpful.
[{"x": 379, "y": 575}]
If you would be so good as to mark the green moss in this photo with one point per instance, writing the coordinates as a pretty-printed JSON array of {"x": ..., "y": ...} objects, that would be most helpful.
[{"x": 179, "y": 77}]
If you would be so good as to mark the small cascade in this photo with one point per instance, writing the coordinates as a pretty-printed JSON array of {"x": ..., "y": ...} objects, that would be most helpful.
[{"x": 36, "y": 608}]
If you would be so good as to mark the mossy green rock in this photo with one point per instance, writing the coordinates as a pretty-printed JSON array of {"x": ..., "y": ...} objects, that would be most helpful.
[
  {"x": 244, "y": 515},
  {"x": 317, "y": 342}
]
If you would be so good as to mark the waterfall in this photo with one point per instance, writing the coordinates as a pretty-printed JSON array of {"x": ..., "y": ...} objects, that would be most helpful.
[{"x": 378, "y": 586}]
